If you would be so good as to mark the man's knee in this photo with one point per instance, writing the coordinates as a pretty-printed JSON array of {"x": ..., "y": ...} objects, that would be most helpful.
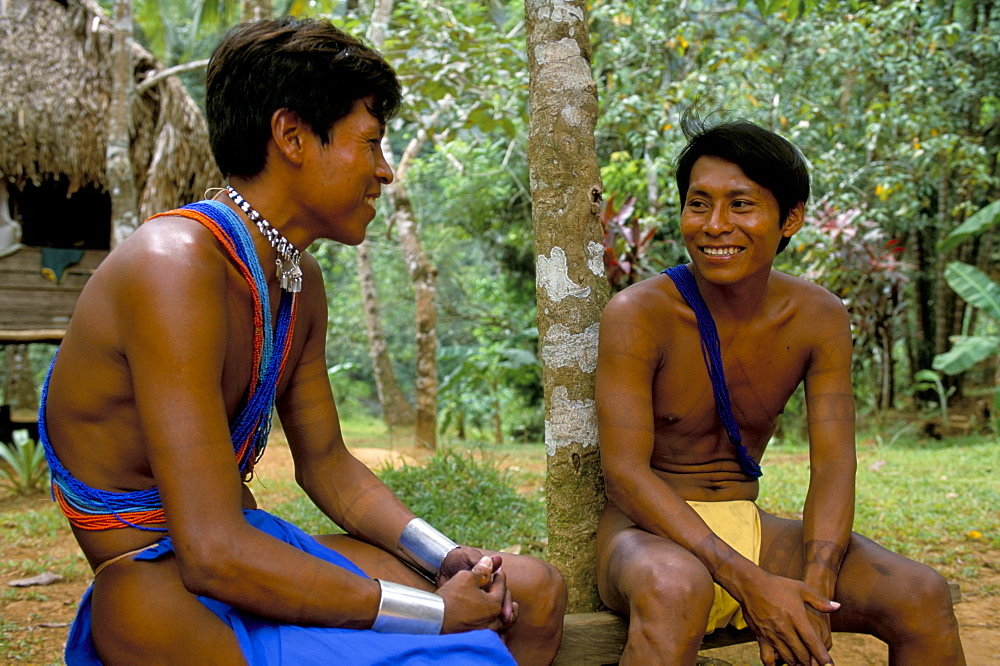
[
  {"x": 922, "y": 600},
  {"x": 896, "y": 599},
  {"x": 542, "y": 586},
  {"x": 670, "y": 587}
]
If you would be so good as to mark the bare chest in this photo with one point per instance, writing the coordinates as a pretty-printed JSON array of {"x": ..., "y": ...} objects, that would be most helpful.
[{"x": 762, "y": 368}]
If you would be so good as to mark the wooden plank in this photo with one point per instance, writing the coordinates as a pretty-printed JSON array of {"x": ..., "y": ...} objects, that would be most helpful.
[
  {"x": 33, "y": 308},
  {"x": 72, "y": 281},
  {"x": 35, "y": 299},
  {"x": 592, "y": 639},
  {"x": 41, "y": 335},
  {"x": 30, "y": 259}
]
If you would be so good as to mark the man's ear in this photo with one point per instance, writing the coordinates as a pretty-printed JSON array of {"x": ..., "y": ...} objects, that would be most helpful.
[
  {"x": 794, "y": 220},
  {"x": 288, "y": 133}
]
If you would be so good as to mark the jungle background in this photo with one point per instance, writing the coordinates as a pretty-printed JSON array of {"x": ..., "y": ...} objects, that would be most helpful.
[{"x": 433, "y": 332}]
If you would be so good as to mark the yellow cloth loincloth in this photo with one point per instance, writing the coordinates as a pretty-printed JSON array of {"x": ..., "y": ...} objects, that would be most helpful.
[{"x": 738, "y": 524}]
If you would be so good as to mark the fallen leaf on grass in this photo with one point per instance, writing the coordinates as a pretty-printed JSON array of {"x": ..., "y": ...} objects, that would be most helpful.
[
  {"x": 877, "y": 465},
  {"x": 45, "y": 578}
]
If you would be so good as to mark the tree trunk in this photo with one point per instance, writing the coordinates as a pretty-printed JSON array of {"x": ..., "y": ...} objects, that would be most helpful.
[
  {"x": 571, "y": 287},
  {"x": 921, "y": 338},
  {"x": 944, "y": 299},
  {"x": 423, "y": 274},
  {"x": 396, "y": 410},
  {"x": 652, "y": 186},
  {"x": 121, "y": 175}
]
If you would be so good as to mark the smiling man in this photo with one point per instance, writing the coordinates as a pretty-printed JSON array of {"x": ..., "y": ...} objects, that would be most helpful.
[
  {"x": 695, "y": 367},
  {"x": 159, "y": 404}
]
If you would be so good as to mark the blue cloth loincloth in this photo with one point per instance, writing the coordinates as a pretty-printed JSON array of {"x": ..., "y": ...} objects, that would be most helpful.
[{"x": 268, "y": 643}]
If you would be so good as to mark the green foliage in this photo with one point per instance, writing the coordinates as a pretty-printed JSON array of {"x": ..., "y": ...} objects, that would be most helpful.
[
  {"x": 472, "y": 501},
  {"x": 894, "y": 104},
  {"x": 460, "y": 52},
  {"x": 179, "y": 31},
  {"x": 26, "y": 471},
  {"x": 981, "y": 221},
  {"x": 910, "y": 499},
  {"x": 981, "y": 293},
  {"x": 483, "y": 384},
  {"x": 930, "y": 380},
  {"x": 976, "y": 288},
  {"x": 44, "y": 522},
  {"x": 347, "y": 343}
]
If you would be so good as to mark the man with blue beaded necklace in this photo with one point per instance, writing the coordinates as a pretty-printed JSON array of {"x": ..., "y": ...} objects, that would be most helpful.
[
  {"x": 694, "y": 369},
  {"x": 158, "y": 405}
]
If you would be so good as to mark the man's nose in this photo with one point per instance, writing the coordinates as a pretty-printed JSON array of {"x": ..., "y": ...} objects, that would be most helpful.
[{"x": 718, "y": 221}]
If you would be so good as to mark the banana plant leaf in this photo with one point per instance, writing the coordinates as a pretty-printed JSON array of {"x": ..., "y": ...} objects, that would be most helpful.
[
  {"x": 975, "y": 287},
  {"x": 965, "y": 352},
  {"x": 979, "y": 222}
]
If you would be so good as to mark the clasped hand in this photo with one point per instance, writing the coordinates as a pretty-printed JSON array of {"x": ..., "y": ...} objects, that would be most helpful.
[
  {"x": 790, "y": 621},
  {"x": 474, "y": 588}
]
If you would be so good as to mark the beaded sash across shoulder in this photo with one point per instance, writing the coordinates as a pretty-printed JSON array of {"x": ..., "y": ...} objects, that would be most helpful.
[
  {"x": 712, "y": 353},
  {"x": 92, "y": 509}
]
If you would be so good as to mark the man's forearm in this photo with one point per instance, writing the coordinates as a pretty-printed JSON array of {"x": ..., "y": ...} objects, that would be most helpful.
[
  {"x": 356, "y": 500},
  {"x": 826, "y": 528}
]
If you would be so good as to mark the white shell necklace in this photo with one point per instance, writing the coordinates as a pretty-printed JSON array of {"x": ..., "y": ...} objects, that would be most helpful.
[{"x": 289, "y": 273}]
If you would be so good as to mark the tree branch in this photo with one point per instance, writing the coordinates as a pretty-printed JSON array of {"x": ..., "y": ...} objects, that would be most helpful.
[{"x": 156, "y": 77}]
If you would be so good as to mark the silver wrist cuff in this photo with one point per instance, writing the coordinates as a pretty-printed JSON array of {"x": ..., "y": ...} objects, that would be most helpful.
[
  {"x": 425, "y": 545},
  {"x": 407, "y": 610}
]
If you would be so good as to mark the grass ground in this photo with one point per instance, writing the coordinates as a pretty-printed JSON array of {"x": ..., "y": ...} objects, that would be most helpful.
[{"x": 933, "y": 501}]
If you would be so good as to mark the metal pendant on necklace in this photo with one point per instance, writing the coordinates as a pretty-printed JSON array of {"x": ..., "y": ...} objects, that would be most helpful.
[
  {"x": 290, "y": 276},
  {"x": 289, "y": 272}
]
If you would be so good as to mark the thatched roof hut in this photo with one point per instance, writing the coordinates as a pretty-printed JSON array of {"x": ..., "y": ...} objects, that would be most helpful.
[
  {"x": 56, "y": 83},
  {"x": 55, "y": 78}
]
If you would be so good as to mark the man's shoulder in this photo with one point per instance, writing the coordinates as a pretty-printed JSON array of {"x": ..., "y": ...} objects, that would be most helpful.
[
  {"x": 165, "y": 248},
  {"x": 645, "y": 315},
  {"x": 806, "y": 293},
  {"x": 656, "y": 293}
]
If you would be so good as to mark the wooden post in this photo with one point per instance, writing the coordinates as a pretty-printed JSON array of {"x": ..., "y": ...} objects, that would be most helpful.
[{"x": 19, "y": 388}]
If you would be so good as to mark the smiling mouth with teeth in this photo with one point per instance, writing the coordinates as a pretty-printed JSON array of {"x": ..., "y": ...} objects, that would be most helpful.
[{"x": 721, "y": 251}]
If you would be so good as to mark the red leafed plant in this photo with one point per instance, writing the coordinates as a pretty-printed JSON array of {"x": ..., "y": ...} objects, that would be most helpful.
[{"x": 626, "y": 244}]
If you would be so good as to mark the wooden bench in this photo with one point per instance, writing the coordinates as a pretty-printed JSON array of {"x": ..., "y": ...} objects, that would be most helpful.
[{"x": 596, "y": 639}]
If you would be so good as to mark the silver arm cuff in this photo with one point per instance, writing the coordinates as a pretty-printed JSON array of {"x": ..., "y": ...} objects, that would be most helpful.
[
  {"x": 425, "y": 546},
  {"x": 407, "y": 610}
]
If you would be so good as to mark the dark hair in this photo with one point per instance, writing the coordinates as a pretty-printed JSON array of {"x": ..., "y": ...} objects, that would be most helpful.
[
  {"x": 308, "y": 66},
  {"x": 766, "y": 158}
]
